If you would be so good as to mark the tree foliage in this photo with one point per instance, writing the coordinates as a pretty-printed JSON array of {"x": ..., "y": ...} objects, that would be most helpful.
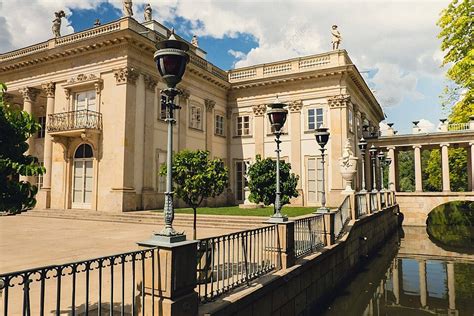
[
  {"x": 196, "y": 178},
  {"x": 406, "y": 171},
  {"x": 262, "y": 184},
  {"x": 15, "y": 128},
  {"x": 456, "y": 23}
]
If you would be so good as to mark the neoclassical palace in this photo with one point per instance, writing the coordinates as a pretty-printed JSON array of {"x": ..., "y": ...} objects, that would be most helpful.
[{"x": 96, "y": 94}]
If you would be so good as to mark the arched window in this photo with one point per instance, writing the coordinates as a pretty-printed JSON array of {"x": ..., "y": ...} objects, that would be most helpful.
[{"x": 84, "y": 151}]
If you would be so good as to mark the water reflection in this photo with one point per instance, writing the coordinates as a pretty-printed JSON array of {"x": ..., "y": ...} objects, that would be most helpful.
[{"x": 409, "y": 276}]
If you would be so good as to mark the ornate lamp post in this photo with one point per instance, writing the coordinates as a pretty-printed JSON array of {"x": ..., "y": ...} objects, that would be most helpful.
[
  {"x": 277, "y": 115},
  {"x": 322, "y": 137},
  {"x": 373, "y": 157},
  {"x": 381, "y": 157},
  {"x": 363, "y": 146},
  {"x": 171, "y": 59}
]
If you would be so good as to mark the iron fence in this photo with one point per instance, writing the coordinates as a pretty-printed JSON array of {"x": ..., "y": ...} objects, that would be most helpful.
[
  {"x": 361, "y": 202},
  {"x": 309, "y": 235},
  {"x": 227, "y": 261},
  {"x": 342, "y": 216},
  {"x": 110, "y": 285},
  {"x": 66, "y": 121}
]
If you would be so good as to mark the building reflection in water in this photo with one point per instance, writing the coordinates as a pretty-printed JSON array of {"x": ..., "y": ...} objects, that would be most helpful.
[{"x": 399, "y": 283}]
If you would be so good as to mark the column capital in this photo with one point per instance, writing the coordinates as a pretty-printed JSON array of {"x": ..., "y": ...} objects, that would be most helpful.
[
  {"x": 29, "y": 94},
  {"x": 341, "y": 100},
  {"x": 444, "y": 145},
  {"x": 210, "y": 104},
  {"x": 49, "y": 88},
  {"x": 391, "y": 147},
  {"x": 150, "y": 82},
  {"x": 259, "y": 109},
  {"x": 126, "y": 75},
  {"x": 471, "y": 143},
  {"x": 416, "y": 146},
  {"x": 295, "y": 106}
]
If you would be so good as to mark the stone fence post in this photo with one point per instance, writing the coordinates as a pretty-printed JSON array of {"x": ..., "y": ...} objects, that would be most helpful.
[
  {"x": 286, "y": 243},
  {"x": 174, "y": 276},
  {"x": 368, "y": 203},
  {"x": 353, "y": 206},
  {"x": 329, "y": 227}
]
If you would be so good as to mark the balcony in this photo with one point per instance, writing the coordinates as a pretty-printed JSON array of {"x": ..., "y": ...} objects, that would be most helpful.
[{"x": 74, "y": 123}]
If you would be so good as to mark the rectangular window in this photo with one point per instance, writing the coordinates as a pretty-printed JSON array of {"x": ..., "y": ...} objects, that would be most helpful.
[
  {"x": 314, "y": 175},
  {"x": 240, "y": 179},
  {"x": 315, "y": 118},
  {"x": 219, "y": 125},
  {"x": 242, "y": 126},
  {"x": 85, "y": 101},
  {"x": 351, "y": 120},
  {"x": 39, "y": 178},
  {"x": 42, "y": 122},
  {"x": 196, "y": 117},
  {"x": 162, "y": 107}
]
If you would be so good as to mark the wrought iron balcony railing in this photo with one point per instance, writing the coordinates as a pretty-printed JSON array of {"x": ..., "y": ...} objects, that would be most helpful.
[{"x": 82, "y": 119}]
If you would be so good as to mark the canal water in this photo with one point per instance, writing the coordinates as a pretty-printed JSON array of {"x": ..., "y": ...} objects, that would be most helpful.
[{"x": 413, "y": 274}]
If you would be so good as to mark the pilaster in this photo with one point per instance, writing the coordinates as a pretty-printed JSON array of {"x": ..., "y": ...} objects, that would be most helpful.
[
  {"x": 29, "y": 97},
  {"x": 259, "y": 132},
  {"x": 295, "y": 135},
  {"x": 210, "y": 104}
]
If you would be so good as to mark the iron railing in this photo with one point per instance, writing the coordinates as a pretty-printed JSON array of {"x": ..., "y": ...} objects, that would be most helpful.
[
  {"x": 227, "y": 261},
  {"x": 309, "y": 235},
  {"x": 373, "y": 202},
  {"x": 361, "y": 202},
  {"x": 342, "y": 216},
  {"x": 82, "y": 119},
  {"x": 110, "y": 285}
]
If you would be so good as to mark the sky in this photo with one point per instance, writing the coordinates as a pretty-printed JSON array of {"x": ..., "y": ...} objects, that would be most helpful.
[{"x": 393, "y": 43}]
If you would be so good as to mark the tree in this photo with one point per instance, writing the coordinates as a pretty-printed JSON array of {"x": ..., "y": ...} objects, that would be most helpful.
[
  {"x": 15, "y": 128},
  {"x": 262, "y": 186},
  {"x": 456, "y": 25},
  {"x": 196, "y": 178},
  {"x": 406, "y": 171}
]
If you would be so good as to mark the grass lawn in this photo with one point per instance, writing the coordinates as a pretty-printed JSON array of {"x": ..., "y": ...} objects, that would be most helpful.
[{"x": 235, "y": 210}]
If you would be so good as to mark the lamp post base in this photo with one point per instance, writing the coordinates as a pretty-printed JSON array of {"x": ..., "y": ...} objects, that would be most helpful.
[
  {"x": 277, "y": 219},
  {"x": 159, "y": 240},
  {"x": 322, "y": 210}
]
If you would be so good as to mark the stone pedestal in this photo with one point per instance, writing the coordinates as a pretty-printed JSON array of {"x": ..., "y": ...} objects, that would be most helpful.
[
  {"x": 329, "y": 228},
  {"x": 286, "y": 240}
]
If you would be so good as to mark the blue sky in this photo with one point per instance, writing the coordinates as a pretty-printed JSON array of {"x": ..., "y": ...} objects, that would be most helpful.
[{"x": 394, "y": 41}]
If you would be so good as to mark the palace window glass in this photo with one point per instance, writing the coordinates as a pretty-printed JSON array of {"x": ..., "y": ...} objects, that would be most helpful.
[
  {"x": 219, "y": 125},
  {"x": 315, "y": 118},
  {"x": 242, "y": 126},
  {"x": 42, "y": 122},
  {"x": 196, "y": 117}
]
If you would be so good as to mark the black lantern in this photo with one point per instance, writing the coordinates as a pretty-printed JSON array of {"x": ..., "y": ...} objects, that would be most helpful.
[
  {"x": 171, "y": 59},
  {"x": 277, "y": 115},
  {"x": 362, "y": 145},
  {"x": 322, "y": 136}
]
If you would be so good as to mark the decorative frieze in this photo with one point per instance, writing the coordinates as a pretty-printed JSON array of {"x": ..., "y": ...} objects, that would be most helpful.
[
  {"x": 210, "y": 104},
  {"x": 126, "y": 75},
  {"x": 259, "y": 109},
  {"x": 150, "y": 82},
  {"x": 82, "y": 78},
  {"x": 49, "y": 88},
  {"x": 29, "y": 94},
  {"x": 342, "y": 100},
  {"x": 295, "y": 106}
]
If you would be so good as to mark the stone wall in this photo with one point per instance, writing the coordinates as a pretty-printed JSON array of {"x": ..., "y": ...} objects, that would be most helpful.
[{"x": 296, "y": 290}]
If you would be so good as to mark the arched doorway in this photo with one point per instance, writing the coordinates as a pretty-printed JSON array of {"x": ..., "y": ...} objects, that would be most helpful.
[{"x": 83, "y": 177}]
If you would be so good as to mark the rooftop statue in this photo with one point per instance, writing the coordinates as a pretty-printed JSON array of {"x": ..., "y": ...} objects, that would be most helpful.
[
  {"x": 194, "y": 41},
  {"x": 148, "y": 12},
  {"x": 336, "y": 37},
  {"x": 97, "y": 22},
  {"x": 127, "y": 8},
  {"x": 57, "y": 23}
]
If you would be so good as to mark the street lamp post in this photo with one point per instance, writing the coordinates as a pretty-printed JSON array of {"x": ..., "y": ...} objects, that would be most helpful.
[
  {"x": 381, "y": 157},
  {"x": 363, "y": 146},
  {"x": 171, "y": 58},
  {"x": 322, "y": 137},
  {"x": 373, "y": 157},
  {"x": 388, "y": 162},
  {"x": 277, "y": 115}
]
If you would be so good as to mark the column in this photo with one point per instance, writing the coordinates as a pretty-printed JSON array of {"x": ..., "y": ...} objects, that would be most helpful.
[
  {"x": 451, "y": 286},
  {"x": 148, "y": 194},
  {"x": 49, "y": 88},
  {"x": 470, "y": 166},
  {"x": 210, "y": 104},
  {"x": 396, "y": 281},
  {"x": 295, "y": 134},
  {"x": 422, "y": 279},
  {"x": 418, "y": 176},
  {"x": 391, "y": 171},
  {"x": 29, "y": 97},
  {"x": 445, "y": 167},
  {"x": 259, "y": 132}
]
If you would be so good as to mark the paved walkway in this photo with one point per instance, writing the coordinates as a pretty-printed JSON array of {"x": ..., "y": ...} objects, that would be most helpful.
[{"x": 28, "y": 242}]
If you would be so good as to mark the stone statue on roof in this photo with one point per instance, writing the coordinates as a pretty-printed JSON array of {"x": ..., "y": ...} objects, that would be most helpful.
[
  {"x": 194, "y": 41},
  {"x": 336, "y": 37},
  {"x": 148, "y": 12},
  {"x": 57, "y": 23},
  {"x": 127, "y": 8}
]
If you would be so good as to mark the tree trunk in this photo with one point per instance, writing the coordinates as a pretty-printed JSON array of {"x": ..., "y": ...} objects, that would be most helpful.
[{"x": 194, "y": 223}]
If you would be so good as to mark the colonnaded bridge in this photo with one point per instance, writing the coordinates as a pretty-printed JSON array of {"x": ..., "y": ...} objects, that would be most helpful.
[{"x": 418, "y": 204}]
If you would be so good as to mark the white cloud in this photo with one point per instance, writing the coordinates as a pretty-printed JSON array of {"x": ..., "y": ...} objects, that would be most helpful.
[
  {"x": 397, "y": 38},
  {"x": 236, "y": 53}
]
